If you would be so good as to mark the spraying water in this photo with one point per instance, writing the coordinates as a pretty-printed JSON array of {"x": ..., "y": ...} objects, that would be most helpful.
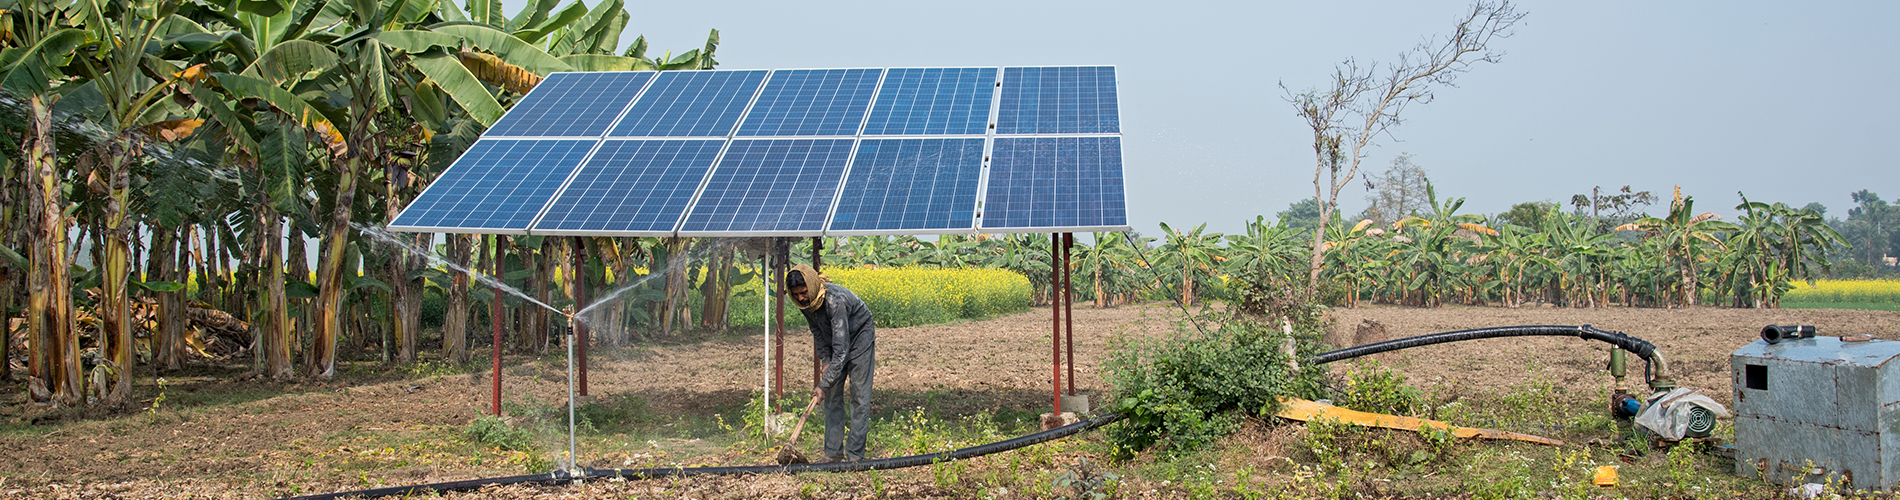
[
  {"x": 673, "y": 265},
  {"x": 383, "y": 235}
]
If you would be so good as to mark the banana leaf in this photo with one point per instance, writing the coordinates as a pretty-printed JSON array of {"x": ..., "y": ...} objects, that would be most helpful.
[
  {"x": 574, "y": 11},
  {"x": 418, "y": 41},
  {"x": 510, "y": 49},
  {"x": 452, "y": 78},
  {"x": 597, "y": 62},
  {"x": 291, "y": 58},
  {"x": 30, "y": 70},
  {"x": 243, "y": 87}
]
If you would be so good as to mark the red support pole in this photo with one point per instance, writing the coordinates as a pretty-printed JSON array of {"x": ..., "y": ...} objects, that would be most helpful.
[
  {"x": 1055, "y": 316},
  {"x": 1068, "y": 301},
  {"x": 494, "y": 318},
  {"x": 580, "y": 303}
]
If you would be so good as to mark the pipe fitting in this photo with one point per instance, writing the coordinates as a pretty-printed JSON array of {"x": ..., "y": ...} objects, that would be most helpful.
[{"x": 1774, "y": 334}]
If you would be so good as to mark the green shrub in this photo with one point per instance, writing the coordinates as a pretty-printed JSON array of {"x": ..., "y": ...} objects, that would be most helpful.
[
  {"x": 1371, "y": 387},
  {"x": 1190, "y": 388},
  {"x": 490, "y": 430}
]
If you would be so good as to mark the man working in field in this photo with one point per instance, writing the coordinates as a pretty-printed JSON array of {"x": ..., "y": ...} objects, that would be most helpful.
[{"x": 845, "y": 342}]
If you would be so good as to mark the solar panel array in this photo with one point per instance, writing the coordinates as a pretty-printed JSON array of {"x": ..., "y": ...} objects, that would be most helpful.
[{"x": 802, "y": 152}]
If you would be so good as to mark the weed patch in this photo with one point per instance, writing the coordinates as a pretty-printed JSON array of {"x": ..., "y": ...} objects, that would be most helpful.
[{"x": 1191, "y": 388}]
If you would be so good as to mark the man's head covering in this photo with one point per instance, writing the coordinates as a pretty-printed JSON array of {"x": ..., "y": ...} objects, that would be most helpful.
[{"x": 814, "y": 282}]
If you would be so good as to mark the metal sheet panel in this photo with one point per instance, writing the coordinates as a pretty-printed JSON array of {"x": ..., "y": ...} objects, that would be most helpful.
[{"x": 1828, "y": 402}]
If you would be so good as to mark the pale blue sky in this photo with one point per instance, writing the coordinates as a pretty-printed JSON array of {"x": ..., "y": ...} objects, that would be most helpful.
[{"x": 1785, "y": 101}]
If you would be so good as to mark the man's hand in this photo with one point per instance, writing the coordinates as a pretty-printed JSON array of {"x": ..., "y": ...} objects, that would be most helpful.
[{"x": 815, "y": 389}]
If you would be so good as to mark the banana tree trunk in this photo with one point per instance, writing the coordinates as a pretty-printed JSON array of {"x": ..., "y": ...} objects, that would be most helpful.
[
  {"x": 407, "y": 299},
  {"x": 163, "y": 266},
  {"x": 455, "y": 320},
  {"x": 276, "y": 307},
  {"x": 625, "y": 249},
  {"x": 114, "y": 318},
  {"x": 8, "y": 220},
  {"x": 716, "y": 289},
  {"x": 1688, "y": 282},
  {"x": 53, "y": 368},
  {"x": 330, "y": 272},
  {"x": 544, "y": 267},
  {"x": 1101, "y": 296},
  {"x": 675, "y": 279}
]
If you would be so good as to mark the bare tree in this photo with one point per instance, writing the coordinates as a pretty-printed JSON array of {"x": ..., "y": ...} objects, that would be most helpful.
[
  {"x": 1397, "y": 193},
  {"x": 1364, "y": 101}
]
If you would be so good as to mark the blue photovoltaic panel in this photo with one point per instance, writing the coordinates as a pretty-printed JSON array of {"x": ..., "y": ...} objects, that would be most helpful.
[
  {"x": 934, "y": 101},
  {"x": 691, "y": 104},
  {"x": 1055, "y": 182},
  {"x": 812, "y": 102},
  {"x": 1059, "y": 100},
  {"x": 911, "y": 184},
  {"x": 571, "y": 105},
  {"x": 771, "y": 186},
  {"x": 498, "y": 184},
  {"x": 633, "y": 186}
]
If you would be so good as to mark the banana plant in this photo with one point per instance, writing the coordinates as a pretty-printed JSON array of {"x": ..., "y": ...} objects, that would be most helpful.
[
  {"x": 1265, "y": 262},
  {"x": 1195, "y": 254},
  {"x": 1684, "y": 235},
  {"x": 32, "y": 71}
]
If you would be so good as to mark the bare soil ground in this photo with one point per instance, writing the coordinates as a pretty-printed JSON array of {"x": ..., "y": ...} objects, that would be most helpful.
[{"x": 216, "y": 438}]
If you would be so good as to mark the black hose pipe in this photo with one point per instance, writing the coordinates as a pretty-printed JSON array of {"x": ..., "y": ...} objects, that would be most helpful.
[
  {"x": 1641, "y": 348},
  {"x": 463, "y": 485},
  {"x": 858, "y": 466},
  {"x": 866, "y": 465}
]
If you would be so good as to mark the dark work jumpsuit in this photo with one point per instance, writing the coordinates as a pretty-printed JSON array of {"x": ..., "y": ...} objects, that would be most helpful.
[{"x": 844, "y": 338}]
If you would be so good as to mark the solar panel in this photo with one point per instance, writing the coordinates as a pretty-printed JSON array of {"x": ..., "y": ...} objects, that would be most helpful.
[
  {"x": 1059, "y": 100},
  {"x": 571, "y": 105},
  {"x": 793, "y": 153},
  {"x": 499, "y": 185},
  {"x": 934, "y": 101},
  {"x": 909, "y": 185},
  {"x": 781, "y": 187},
  {"x": 1072, "y": 183},
  {"x": 632, "y": 188},
  {"x": 691, "y": 104},
  {"x": 808, "y": 102}
]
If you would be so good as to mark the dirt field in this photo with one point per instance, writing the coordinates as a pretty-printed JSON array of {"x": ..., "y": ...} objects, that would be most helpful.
[{"x": 259, "y": 441}]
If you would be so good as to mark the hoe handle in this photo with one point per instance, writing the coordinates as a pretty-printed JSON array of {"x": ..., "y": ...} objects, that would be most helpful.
[{"x": 801, "y": 419}]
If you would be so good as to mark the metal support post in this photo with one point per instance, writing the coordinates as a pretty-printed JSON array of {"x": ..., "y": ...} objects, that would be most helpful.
[
  {"x": 580, "y": 304},
  {"x": 1055, "y": 317},
  {"x": 1068, "y": 301},
  {"x": 494, "y": 318}
]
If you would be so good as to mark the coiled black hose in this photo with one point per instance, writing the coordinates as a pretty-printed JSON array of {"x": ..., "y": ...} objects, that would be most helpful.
[{"x": 1641, "y": 348}]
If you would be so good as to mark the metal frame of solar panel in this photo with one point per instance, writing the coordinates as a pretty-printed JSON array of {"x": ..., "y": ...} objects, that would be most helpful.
[{"x": 919, "y": 151}]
